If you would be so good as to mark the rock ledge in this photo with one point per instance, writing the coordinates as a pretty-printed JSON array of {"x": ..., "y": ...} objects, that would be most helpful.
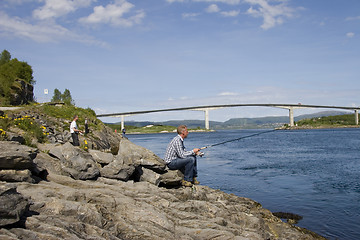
[{"x": 68, "y": 193}]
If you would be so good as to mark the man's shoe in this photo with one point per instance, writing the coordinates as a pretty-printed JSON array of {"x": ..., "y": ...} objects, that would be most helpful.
[
  {"x": 186, "y": 183},
  {"x": 195, "y": 182}
]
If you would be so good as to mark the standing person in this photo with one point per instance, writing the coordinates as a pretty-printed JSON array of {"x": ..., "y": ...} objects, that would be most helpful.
[
  {"x": 75, "y": 131},
  {"x": 86, "y": 126},
  {"x": 177, "y": 158}
]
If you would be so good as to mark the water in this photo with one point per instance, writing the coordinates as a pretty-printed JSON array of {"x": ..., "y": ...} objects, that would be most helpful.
[{"x": 313, "y": 173}]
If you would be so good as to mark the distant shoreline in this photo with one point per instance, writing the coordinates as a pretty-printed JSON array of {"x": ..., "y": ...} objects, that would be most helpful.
[
  {"x": 193, "y": 130},
  {"x": 319, "y": 127},
  {"x": 280, "y": 128}
]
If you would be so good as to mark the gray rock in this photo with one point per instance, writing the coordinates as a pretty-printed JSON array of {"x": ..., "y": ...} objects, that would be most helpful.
[
  {"x": 118, "y": 170},
  {"x": 139, "y": 156},
  {"x": 150, "y": 176},
  {"x": 102, "y": 158},
  {"x": 44, "y": 161},
  {"x": 21, "y": 93},
  {"x": 16, "y": 176},
  {"x": 15, "y": 137},
  {"x": 82, "y": 165},
  {"x": 16, "y": 156},
  {"x": 111, "y": 209},
  {"x": 104, "y": 139},
  {"x": 65, "y": 208},
  {"x": 12, "y": 204},
  {"x": 172, "y": 178},
  {"x": 69, "y": 160}
]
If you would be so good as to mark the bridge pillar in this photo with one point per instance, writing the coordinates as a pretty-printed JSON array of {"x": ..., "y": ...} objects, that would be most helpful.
[
  {"x": 207, "y": 122},
  {"x": 122, "y": 122},
  {"x": 291, "y": 116},
  {"x": 357, "y": 117}
]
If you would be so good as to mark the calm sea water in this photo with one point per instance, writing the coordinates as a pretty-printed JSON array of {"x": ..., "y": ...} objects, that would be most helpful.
[{"x": 313, "y": 173}]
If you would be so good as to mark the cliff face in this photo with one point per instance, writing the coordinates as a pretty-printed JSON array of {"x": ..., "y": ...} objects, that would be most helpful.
[
  {"x": 63, "y": 192},
  {"x": 21, "y": 93}
]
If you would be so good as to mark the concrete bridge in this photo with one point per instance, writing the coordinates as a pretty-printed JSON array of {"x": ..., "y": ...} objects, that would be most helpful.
[{"x": 206, "y": 110}]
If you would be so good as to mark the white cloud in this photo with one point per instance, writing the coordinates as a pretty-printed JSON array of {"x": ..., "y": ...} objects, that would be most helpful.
[
  {"x": 172, "y": 1},
  {"x": 233, "y": 13},
  {"x": 350, "y": 34},
  {"x": 190, "y": 15},
  {"x": 47, "y": 30},
  {"x": 43, "y": 32},
  {"x": 16, "y": 2},
  {"x": 353, "y": 18},
  {"x": 230, "y": 2},
  {"x": 114, "y": 14},
  {"x": 227, "y": 94},
  {"x": 272, "y": 14},
  {"x": 57, "y": 8},
  {"x": 213, "y": 8}
]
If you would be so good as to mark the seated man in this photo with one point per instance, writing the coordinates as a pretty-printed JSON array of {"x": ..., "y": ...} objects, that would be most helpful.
[{"x": 177, "y": 158}]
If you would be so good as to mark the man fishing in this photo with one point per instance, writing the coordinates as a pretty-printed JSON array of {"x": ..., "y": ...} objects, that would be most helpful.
[{"x": 177, "y": 158}]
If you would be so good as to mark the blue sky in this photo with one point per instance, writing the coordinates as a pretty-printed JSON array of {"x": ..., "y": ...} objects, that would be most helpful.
[{"x": 120, "y": 56}]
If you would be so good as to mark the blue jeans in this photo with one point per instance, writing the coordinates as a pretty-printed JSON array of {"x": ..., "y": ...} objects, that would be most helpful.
[{"x": 186, "y": 165}]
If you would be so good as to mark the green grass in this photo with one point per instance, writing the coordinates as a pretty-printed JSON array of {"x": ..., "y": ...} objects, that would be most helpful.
[
  {"x": 152, "y": 129},
  {"x": 147, "y": 129},
  {"x": 68, "y": 111},
  {"x": 332, "y": 121},
  {"x": 59, "y": 114}
]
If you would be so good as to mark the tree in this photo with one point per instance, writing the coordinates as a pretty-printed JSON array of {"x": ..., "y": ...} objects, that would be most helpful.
[
  {"x": 65, "y": 97},
  {"x": 57, "y": 96},
  {"x": 5, "y": 57},
  {"x": 12, "y": 70}
]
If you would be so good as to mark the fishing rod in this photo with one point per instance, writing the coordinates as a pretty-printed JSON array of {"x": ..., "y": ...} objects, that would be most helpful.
[{"x": 236, "y": 139}]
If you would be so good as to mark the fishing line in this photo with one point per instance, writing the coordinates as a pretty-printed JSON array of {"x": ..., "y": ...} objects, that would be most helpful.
[{"x": 236, "y": 139}]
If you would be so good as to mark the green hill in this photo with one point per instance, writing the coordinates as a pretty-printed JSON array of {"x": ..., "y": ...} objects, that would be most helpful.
[{"x": 345, "y": 120}]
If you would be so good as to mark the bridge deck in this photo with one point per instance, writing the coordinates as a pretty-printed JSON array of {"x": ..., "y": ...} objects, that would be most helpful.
[{"x": 291, "y": 107}]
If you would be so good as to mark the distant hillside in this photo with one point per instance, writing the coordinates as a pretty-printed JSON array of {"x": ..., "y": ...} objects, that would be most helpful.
[
  {"x": 262, "y": 122},
  {"x": 236, "y": 123},
  {"x": 333, "y": 121},
  {"x": 320, "y": 114}
]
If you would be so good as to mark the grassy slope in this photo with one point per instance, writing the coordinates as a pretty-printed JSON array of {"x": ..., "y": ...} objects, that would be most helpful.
[{"x": 347, "y": 120}]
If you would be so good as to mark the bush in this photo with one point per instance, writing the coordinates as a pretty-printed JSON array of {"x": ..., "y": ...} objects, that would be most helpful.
[
  {"x": 32, "y": 129},
  {"x": 69, "y": 111}
]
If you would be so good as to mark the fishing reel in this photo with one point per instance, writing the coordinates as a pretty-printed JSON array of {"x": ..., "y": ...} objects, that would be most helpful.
[{"x": 200, "y": 154}]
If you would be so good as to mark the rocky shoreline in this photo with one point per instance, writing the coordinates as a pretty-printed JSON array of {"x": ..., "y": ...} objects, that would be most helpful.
[
  {"x": 59, "y": 191},
  {"x": 115, "y": 189}
]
